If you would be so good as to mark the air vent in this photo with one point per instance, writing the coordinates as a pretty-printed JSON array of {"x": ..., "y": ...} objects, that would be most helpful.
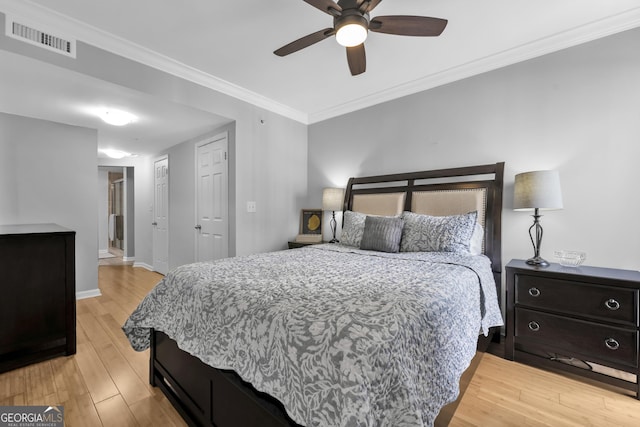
[{"x": 45, "y": 39}]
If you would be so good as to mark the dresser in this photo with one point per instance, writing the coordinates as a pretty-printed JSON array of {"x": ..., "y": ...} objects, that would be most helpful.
[
  {"x": 37, "y": 307},
  {"x": 583, "y": 320}
]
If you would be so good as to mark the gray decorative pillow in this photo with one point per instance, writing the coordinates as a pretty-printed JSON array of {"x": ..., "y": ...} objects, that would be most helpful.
[
  {"x": 426, "y": 233},
  {"x": 352, "y": 228},
  {"x": 382, "y": 234}
]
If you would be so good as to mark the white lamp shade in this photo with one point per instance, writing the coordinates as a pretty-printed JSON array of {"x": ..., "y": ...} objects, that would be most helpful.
[
  {"x": 332, "y": 199},
  {"x": 538, "y": 189}
]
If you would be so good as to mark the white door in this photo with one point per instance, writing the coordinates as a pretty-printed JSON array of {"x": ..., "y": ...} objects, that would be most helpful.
[
  {"x": 161, "y": 215},
  {"x": 212, "y": 204}
]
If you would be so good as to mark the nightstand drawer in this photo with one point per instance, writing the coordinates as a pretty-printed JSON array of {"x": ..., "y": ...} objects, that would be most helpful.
[
  {"x": 611, "y": 304},
  {"x": 602, "y": 343}
]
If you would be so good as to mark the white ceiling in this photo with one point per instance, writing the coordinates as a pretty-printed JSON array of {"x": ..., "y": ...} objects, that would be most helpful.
[
  {"x": 68, "y": 97},
  {"x": 228, "y": 45}
]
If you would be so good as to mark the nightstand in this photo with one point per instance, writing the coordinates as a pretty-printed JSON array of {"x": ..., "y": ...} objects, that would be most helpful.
[
  {"x": 583, "y": 320},
  {"x": 294, "y": 244}
]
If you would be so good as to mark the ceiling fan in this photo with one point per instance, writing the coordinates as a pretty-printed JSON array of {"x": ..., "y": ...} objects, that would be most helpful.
[{"x": 351, "y": 24}]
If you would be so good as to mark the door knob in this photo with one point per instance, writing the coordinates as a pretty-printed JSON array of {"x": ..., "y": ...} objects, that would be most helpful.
[
  {"x": 198, "y": 227},
  {"x": 154, "y": 223}
]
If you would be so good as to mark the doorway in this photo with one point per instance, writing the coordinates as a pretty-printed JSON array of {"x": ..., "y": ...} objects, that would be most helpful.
[{"x": 115, "y": 215}]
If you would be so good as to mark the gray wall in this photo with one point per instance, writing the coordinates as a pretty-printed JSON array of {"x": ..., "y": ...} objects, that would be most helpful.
[
  {"x": 276, "y": 196},
  {"x": 49, "y": 174},
  {"x": 577, "y": 111}
]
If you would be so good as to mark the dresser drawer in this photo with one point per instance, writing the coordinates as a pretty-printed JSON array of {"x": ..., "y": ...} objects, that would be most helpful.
[
  {"x": 603, "y": 343},
  {"x": 608, "y": 303}
]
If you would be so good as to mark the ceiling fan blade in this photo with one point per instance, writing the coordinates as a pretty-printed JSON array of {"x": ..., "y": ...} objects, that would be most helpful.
[
  {"x": 405, "y": 25},
  {"x": 327, "y": 6},
  {"x": 357, "y": 59},
  {"x": 305, "y": 41},
  {"x": 369, "y": 5}
]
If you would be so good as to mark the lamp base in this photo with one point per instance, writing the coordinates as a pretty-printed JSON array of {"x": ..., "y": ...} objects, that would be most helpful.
[
  {"x": 333, "y": 224},
  {"x": 538, "y": 262}
]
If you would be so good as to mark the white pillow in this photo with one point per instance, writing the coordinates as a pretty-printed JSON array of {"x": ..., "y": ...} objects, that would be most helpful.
[{"x": 475, "y": 245}]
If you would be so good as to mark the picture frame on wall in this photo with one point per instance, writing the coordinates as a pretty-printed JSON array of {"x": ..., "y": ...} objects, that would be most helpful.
[{"x": 311, "y": 221}]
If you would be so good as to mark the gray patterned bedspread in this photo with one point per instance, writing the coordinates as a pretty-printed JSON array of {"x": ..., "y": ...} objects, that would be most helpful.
[{"x": 341, "y": 336}]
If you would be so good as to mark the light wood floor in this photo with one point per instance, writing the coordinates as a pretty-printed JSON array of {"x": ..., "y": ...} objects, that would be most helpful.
[
  {"x": 116, "y": 259},
  {"x": 505, "y": 393},
  {"x": 106, "y": 382}
]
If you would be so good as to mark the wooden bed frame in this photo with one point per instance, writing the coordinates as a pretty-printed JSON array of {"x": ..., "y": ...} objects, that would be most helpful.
[{"x": 206, "y": 396}]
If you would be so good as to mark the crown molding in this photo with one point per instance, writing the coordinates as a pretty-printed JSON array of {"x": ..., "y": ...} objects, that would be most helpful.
[
  {"x": 579, "y": 35},
  {"x": 91, "y": 35}
]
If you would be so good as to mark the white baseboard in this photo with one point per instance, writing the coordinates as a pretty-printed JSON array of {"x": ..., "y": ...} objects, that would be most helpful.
[
  {"x": 88, "y": 294},
  {"x": 143, "y": 265},
  {"x": 103, "y": 251},
  {"x": 128, "y": 258}
]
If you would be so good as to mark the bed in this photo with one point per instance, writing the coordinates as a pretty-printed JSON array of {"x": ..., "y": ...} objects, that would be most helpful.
[{"x": 374, "y": 331}]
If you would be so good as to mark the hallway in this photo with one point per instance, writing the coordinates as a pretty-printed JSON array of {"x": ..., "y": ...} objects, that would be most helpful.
[{"x": 116, "y": 259}]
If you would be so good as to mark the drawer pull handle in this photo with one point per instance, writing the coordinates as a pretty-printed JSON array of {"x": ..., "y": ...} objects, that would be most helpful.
[
  {"x": 612, "y": 304},
  {"x": 534, "y": 292},
  {"x": 534, "y": 326},
  {"x": 611, "y": 344}
]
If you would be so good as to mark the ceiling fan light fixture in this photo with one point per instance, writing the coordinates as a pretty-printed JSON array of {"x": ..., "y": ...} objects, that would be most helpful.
[
  {"x": 350, "y": 35},
  {"x": 351, "y": 27}
]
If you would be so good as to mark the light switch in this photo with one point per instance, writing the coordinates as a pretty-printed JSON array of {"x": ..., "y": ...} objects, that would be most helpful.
[{"x": 251, "y": 206}]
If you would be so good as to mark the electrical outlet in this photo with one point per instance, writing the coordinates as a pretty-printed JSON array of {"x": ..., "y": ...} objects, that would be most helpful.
[{"x": 251, "y": 207}]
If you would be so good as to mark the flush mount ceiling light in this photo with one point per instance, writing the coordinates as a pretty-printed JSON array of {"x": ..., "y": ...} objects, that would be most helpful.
[
  {"x": 115, "y": 154},
  {"x": 117, "y": 117}
]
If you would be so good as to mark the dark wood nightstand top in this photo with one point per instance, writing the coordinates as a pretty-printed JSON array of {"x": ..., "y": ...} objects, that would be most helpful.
[
  {"x": 294, "y": 245},
  {"x": 584, "y": 271}
]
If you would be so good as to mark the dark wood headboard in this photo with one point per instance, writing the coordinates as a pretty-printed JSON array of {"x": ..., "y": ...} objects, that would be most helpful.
[{"x": 489, "y": 177}]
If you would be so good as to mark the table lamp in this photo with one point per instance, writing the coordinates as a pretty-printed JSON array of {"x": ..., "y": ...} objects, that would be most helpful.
[
  {"x": 332, "y": 200},
  {"x": 537, "y": 190}
]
